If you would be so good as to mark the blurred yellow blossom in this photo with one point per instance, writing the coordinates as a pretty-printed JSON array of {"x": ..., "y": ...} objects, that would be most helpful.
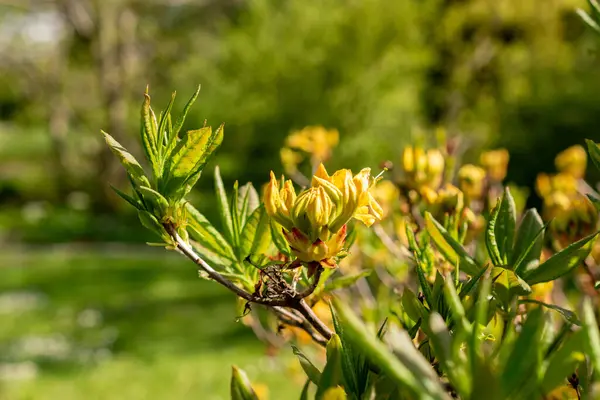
[
  {"x": 386, "y": 194},
  {"x": 315, "y": 140},
  {"x": 546, "y": 184},
  {"x": 496, "y": 163},
  {"x": 471, "y": 179},
  {"x": 423, "y": 168},
  {"x": 572, "y": 161},
  {"x": 290, "y": 159}
]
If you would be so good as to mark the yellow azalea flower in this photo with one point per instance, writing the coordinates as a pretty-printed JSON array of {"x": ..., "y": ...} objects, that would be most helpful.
[
  {"x": 314, "y": 222},
  {"x": 446, "y": 200},
  {"x": 572, "y": 161},
  {"x": 547, "y": 184},
  {"x": 471, "y": 180},
  {"x": 290, "y": 159},
  {"x": 386, "y": 194},
  {"x": 423, "y": 168},
  {"x": 572, "y": 217},
  {"x": 496, "y": 163},
  {"x": 314, "y": 140}
]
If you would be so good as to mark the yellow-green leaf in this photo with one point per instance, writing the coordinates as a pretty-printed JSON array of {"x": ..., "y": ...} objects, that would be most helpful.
[
  {"x": 133, "y": 167},
  {"x": 241, "y": 388}
]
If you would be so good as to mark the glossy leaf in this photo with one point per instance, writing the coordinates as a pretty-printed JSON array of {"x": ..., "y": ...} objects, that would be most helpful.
[
  {"x": 203, "y": 232},
  {"x": 223, "y": 206},
  {"x": 451, "y": 250},
  {"x": 562, "y": 262},
  {"x": 563, "y": 362},
  {"x": 529, "y": 242},
  {"x": 128, "y": 198},
  {"x": 133, "y": 167},
  {"x": 332, "y": 375},
  {"x": 256, "y": 235},
  {"x": 181, "y": 118},
  {"x": 149, "y": 136},
  {"x": 525, "y": 355},
  {"x": 305, "y": 389},
  {"x": 163, "y": 135},
  {"x": 241, "y": 388},
  {"x": 568, "y": 315},
  {"x": 505, "y": 225},
  {"x": 592, "y": 335},
  {"x": 407, "y": 367},
  {"x": 594, "y": 150},
  {"x": 312, "y": 372},
  {"x": 278, "y": 238},
  {"x": 490, "y": 236},
  {"x": 507, "y": 284}
]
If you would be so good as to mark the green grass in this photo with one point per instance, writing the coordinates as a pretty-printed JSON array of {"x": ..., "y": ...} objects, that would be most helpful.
[{"x": 124, "y": 327}]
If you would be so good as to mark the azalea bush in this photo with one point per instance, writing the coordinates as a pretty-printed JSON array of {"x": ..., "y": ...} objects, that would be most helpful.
[{"x": 426, "y": 279}]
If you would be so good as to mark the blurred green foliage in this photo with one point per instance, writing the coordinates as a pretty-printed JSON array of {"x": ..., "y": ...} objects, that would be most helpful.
[{"x": 506, "y": 73}]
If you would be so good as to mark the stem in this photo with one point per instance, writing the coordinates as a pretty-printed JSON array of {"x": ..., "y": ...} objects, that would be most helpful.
[
  {"x": 295, "y": 302},
  {"x": 312, "y": 318},
  {"x": 291, "y": 319}
]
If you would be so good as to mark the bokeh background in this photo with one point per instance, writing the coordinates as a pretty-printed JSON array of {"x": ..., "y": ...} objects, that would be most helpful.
[{"x": 86, "y": 310}]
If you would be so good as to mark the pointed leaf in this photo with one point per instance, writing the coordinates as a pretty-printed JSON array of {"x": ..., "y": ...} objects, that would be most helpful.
[
  {"x": 247, "y": 202},
  {"x": 312, "y": 372},
  {"x": 490, "y": 236},
  {"x": 163, "y": 135},
  {"x": 562, "y": 262},
  {"x": 507, "y": 284},
  {"x": 564, "y": 361},
  {"x": 505, "y": 225},
  {"x": 128, "y": 198},
  {"x": 278, "y": 238},
  {"x": 256, "y": 235},
  {"x": 529, "y": 242},
  {"x": 134, "y": 169},
  {"x": 568, "y": 315},
  {"x": 332, "y": 372},
  {"x": 590, "y": 326},
  {"x": 304, "y": 394},
  {"x": 345, "y": 281},
  {"x": 451, "y": 250},
  {"x": 149, "y": 136},
  {"x": 407, "y": 368},
  {"x": 594, "y": 149},
  {"x": 181, "y": 118},
  {"x": 203, "y": 232},
  {"x": 223, "y": 206},
  {"x": 241, "y": 388}
]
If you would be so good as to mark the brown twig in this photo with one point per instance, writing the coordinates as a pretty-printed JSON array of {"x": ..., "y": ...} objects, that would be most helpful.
[
  {"x": 291, "y": 300},
  {"x": 291, "y": 319}
]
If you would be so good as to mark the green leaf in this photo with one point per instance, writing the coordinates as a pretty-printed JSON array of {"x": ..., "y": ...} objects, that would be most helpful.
[
  {"x": 355, "y": 369},
  {"x": 452, "y": 251},
  {"x": 345, "y": 281},
  {"x": 189, "y": 156},
  {"x": 456, "y": 307},
  {"x": 505, "y": 225},
  {"x": 181, "y": 118},
  {"x": 235, "y": 219},
  {"x": 332, "y": 372},
  {"x": 441, "y": 342},
  {"x": 256, "y": 235},
  {"x": 312, "y": 372},
  {"x": 507, "y": 285},
  {"x": 134, "y": 169},
  {"x": 468, "y": 287},
  {"x": 490, "y": 236},
  {"x": 530, "y": 240},
  {"x": 407, "y": 367},
  {"x": 155, "y": 201},
  {"x": 247, "y": 202},
  {"x": 525, "y": 355},
  {"x": 150, "y": 222},
  {"x": 223, "y": 206},
  {"x": 203, "y": 232},
  {"x": 590, "y": 327},
  {"x": 278, "y": 238},
  {"x": 412, "y": 306},
  {"x": 562, "y": 262},
  {"x": 128, "y": 198},
  {"x": 241, "y": 388},
  {"x": 149, "y": 136},
  {"x": 304, "y": 394},
  {"x": 563, "y": 362},
  {"x": 588, "y": 20},
  {"x": 595, "y": 201},
  {"x": 163, "y": 135},
  {"x": 568, "y": 315},
  {"x": 594, "y": 148}
]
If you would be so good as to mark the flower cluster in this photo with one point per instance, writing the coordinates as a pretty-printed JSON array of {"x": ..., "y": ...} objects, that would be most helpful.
[
  {"x": 571, "y": 213},
  {"x": 314, "y": 141},
  {"x": 314, "y": 221}
]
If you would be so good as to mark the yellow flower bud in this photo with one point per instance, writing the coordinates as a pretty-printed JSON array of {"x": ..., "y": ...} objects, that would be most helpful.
[
  {"x": 496, "y": 163},
  {"x": 572, "y": 161},
  {"x": 423, "y": 168},
  {"x": 471, "y": 180}
]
